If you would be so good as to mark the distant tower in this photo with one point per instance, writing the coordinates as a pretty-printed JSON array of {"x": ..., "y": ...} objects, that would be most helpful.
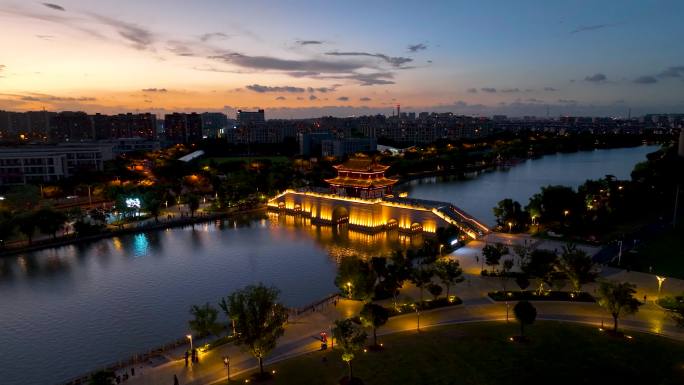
[
  {"x": 629, "y": 114},
  {"x": 398, "y": 110}
]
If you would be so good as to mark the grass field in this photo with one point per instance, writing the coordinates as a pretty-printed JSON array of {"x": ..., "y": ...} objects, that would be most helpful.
[
  {"x": 481, "y": 353},
  {"x": 664, "y": 253}
]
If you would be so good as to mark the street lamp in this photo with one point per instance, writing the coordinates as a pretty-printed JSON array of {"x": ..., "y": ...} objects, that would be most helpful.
[
  {"x": 660, "y": 283},
  {"x": 417, "y": 317},
  {"x": 619, "y": 252},
  {"x": 226, "y": 363},
  {"x": 510, "y": 227},
  {"x": 566, "y": 212},
  {"x": 349, "y": 290},
  {"x": 189, "y": 336}
]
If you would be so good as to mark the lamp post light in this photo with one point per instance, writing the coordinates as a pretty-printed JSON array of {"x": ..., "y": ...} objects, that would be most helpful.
[
  {"x": 417, "y": 317},
  {"x": 349, "y": 289},
  {"x": 510, "y": 227},
  {"x": 189, "y": 337},
  {"x": 226, "y": 363},
  {"x": 619, "y": 252},
  {"x": 660, "y": 283}
]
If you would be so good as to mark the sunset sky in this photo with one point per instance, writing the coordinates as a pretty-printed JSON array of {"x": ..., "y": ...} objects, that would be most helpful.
[{"x": 303, "y": 59}]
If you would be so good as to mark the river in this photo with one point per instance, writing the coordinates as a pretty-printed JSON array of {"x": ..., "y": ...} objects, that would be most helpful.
[{"x": 68, "y": 310}]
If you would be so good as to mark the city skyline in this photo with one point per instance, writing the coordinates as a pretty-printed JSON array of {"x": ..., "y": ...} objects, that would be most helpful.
[{"x": 301, "y": 60}]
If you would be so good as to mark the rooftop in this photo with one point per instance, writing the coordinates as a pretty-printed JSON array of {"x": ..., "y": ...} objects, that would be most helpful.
[{"x": 361, "y": 164}]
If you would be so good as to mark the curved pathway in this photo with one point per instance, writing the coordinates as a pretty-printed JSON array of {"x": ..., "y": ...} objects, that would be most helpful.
[{"x": 301, "y": 333}]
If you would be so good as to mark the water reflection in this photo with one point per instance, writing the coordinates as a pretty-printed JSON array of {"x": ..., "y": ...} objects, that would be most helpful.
[
  {"x": 340, "y": 240},
  {"x": 140, "y": 245}
]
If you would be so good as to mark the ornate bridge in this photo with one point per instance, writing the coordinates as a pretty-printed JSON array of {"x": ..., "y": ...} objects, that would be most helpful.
[{"x": 376, "y": 214}]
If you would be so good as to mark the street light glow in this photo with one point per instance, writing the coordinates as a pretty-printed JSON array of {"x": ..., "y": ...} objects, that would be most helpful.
[{"x": 660, "y": 283}]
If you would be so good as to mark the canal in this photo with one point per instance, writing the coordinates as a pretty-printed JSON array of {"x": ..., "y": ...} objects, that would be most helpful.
[{"x": 67, "y": 310}]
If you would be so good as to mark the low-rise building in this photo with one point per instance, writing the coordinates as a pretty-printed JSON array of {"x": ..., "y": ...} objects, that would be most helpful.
[{"x": 41, "y": 164}]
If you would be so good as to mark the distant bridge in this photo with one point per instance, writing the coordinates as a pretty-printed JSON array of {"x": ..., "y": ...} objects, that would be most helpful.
[{"x": 379, "y": 214}]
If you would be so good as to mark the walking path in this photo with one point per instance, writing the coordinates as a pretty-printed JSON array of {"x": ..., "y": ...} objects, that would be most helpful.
[{"x": 301, "y": 334}]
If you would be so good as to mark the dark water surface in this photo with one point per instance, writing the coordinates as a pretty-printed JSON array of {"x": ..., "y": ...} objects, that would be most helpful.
[
  {"x": 479, "y": 195},
  {"x": 67, "y": 310}
]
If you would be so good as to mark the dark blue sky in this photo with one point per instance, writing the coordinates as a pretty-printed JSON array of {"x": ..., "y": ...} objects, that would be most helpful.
[{"x": 300, "y": 58}]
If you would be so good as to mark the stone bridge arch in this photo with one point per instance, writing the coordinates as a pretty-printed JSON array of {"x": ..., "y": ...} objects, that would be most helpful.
[{"x": 340, "y": 214}]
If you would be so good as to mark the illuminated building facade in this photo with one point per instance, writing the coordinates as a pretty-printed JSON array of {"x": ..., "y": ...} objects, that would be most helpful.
[
  {"x": 361, "y": 177},
  {"x": 374, "y": 215},
  {"x": 359, "y": 197}
]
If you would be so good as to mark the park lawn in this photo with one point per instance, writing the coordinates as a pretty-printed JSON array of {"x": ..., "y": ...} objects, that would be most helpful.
[
  {"x": 480, "y": 353},
  {"x": 665, "y": 253}
]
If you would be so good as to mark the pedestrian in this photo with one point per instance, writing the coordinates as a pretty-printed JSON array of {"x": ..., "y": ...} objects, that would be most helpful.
[
  {"x": 644, "y": 298},
  {"x": 175, "y": 380},
  {"x": 133, "y": 372},
  {"x": 187, "y": 355}
]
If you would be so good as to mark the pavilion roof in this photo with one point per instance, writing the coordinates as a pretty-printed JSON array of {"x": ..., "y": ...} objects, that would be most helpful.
[
  {"x": 361, "y": 164},
  {"x": 361, "y": 182}
]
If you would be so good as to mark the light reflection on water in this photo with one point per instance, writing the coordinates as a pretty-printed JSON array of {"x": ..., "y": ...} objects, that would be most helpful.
[
  {"x": 67, "y": 310},
  {"x": 94, "y": 303}
]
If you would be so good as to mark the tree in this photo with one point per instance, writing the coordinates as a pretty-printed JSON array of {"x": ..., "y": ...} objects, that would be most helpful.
[
  {"x": 553, "y": 202},
  {"x": 525, "y": 313},
  {"x": 398, "y": 271},
  {"x": 506, "y": 267},
  {"x": 350, "y": 338},
  {"x": 618, "y": 299},
  {"x": 523, "y": 252},
  {"x": 49, "y": 221},
  {"x": 26, "y": 224},
  {"x": 577, "y": 265},
  {"x": 205, "y": 320},
  {"x": 540, "y": 264},
  {"x": 7, "y": 226},
  {"x": 446, "y": 235},
  {"x": 435, "y": 290},
  {"x": 493, "y": 253},
  {"x": 258, "y": 319},
  {"x": 510, "y": 212},
  {"x": 522, "y": 282},
  {"x": 421, "y": 276},
  {"x": 153, "y": 206},
  {"x": 373, "y": 316},
  {"x": 355, "y": 278},
  {"x": 449, "y": 272},
  {"x": 193, "y": 203}
]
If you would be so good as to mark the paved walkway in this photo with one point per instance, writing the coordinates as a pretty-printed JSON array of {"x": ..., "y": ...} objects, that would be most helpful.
[{"x": 302, "y": 332}]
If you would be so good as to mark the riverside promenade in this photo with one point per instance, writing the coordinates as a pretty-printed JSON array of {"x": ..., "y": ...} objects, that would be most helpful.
[{"x": 302, "y": 331}]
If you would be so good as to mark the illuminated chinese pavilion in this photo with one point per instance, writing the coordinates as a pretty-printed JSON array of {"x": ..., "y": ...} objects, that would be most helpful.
[{"x": 361, "y": 177}]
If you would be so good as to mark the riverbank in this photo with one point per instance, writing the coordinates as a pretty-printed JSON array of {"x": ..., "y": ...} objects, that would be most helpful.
[
  {"x": 131, "y": 228},
  {"x": 484, "y": 160}
]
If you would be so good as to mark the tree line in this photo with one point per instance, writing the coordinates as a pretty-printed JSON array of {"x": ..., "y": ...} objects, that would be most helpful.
[{"x": 599, "y": 206}]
